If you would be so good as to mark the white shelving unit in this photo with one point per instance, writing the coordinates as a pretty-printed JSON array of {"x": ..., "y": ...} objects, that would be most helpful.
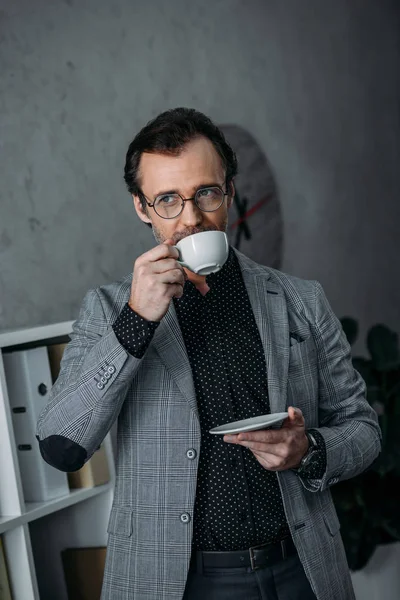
[{"x": 35, "y": 533}]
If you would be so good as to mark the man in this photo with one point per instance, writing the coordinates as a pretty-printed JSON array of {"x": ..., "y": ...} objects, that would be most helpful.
[{"x": 172, "y": 355}]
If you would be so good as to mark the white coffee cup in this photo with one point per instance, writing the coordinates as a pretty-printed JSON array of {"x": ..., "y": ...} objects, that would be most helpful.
[{"x": 203, "y": 253}]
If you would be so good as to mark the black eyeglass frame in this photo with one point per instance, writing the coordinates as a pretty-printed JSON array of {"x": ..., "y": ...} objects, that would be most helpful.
[{"x": 210, "y": 187}]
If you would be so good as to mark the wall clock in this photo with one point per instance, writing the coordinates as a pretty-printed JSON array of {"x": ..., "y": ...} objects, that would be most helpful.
[{"x": 255, "y": 220}]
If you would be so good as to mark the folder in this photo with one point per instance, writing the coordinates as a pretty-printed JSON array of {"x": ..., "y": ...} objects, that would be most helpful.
[
  {"x": 29, "y": 381},
  {"x": 94, "y": 472},
  {"x": 5, "y": 590},
  {"x": 84, "y": 571},
  {"x": 55, "y": 352}
]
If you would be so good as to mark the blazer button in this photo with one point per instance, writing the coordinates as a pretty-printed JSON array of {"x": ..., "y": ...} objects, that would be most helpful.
[
  {"x": 191, "y": 454},
  {"x": 111, "y": 369},
  {"x": 100, "y": 386},
  {"x": 185, "y": 517},
  {"x": 103, "y": 380}
]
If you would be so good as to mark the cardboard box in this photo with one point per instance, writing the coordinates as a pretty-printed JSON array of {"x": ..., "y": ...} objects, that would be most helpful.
[
  {"x": 84, "y": 571},
  {"x": 55, "y": 353},
  {"x": 94, "y": 472},
  {"x": 5, "y": 590}
]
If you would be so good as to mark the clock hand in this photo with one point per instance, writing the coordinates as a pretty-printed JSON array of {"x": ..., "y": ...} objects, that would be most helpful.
[
  {"x": 241, "y": 206},
  {"x": 250, "y": 212},
  {"x": 243, "y": 227}
]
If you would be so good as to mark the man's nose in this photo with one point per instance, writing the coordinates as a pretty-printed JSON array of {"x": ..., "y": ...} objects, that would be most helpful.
[{"x": 191, "y": 214}]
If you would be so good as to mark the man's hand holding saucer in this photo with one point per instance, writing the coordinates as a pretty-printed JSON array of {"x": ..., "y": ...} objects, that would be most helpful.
[{"x": 276, "y": 449}]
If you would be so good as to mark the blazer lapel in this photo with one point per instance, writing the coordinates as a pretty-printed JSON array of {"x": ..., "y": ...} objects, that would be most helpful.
[
  {"x": 270, "y": 312},
  {"x": 168, "y": 342}
]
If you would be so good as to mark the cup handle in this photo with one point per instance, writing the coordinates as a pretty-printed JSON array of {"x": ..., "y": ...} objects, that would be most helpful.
[{"x": 181, "y": 262}]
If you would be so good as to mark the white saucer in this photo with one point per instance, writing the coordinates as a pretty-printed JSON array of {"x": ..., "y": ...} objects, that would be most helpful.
[{"x": 252, "y": 424}]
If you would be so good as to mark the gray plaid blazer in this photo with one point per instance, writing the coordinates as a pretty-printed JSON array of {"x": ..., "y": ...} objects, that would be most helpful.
[{"x": 153, "y": 398}]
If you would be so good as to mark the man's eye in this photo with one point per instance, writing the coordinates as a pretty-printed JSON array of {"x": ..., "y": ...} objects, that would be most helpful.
[
  {"x": 167, "y": 200},
  {"x": 205, "y": 192}
]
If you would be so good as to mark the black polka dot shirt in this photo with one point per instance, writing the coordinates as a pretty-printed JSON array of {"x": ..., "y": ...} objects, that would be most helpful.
[{"x": 238, "y": 502}]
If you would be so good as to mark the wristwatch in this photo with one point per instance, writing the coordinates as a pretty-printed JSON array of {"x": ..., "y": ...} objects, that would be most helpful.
[{"x": 310, "y": 456}]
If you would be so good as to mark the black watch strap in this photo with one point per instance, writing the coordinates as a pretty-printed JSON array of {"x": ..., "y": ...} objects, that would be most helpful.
[
  {"x": 313, "y": 464},
  {"x": 312, "y": 448},
  {"x": 312, "y": 441}
]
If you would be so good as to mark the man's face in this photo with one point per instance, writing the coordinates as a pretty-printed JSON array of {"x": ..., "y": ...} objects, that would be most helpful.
[{"x": 197, "y": 166}]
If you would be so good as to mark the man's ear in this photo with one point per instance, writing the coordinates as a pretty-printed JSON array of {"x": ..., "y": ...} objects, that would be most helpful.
[
  {"x": 231, "y": 191},
  {"x": 140, "y": 211}
]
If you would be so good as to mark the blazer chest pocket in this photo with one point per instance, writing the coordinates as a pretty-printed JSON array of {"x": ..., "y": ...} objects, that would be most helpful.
[
  {"x": 303, "y": 355},
  {"x": 120, "y": 522}
]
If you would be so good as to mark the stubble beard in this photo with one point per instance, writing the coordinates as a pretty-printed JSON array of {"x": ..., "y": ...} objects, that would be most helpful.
[{"x": 179, "y": 235}]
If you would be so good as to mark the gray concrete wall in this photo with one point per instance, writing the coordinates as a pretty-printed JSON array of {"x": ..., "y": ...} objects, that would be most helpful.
[{"x": 316, "y": 82}]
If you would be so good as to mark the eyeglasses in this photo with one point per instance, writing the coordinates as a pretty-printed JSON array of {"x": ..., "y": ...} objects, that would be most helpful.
[{"x": 170, "y": 206}]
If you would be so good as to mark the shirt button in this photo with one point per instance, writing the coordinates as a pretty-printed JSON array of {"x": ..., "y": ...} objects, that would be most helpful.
[
  {"x": 191, "y": 454},
  {"x": 185, "y": 517}
]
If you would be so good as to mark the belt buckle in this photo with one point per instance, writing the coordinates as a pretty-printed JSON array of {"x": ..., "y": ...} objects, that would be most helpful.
[{"x": 253, "y": 565}]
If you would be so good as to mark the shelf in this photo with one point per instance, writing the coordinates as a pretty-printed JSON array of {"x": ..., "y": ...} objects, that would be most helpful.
[
  {"x": 34, "y": 334},
  {"x": 36, "y": 510},
  {"x": 35, "y": 533}
]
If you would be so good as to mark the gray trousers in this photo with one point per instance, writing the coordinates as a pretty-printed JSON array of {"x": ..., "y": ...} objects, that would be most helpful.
[{"x": 284, "y": 581}]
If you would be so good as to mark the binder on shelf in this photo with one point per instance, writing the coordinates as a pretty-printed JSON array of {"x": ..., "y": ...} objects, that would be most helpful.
[
  {"x": 5, "y": 590},
  {"x": 29, "y": 381},
  {"x": 84, "y": 571},
  {"x": 55, "y": 352},
  {"x": 94, "y": 472}
]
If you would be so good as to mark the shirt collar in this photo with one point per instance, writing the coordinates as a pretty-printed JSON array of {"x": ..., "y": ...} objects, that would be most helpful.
[
  {"x": 228, "y": 270},
  {"x": 214, "y": 280}
]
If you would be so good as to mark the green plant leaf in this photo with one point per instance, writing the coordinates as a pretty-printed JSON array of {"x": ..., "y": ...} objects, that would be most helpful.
[
  {"x": 359, "y": 538},
  {"x": 396, "y": 402},
  {"x": 366, "y": 369},
  {"x": 345, "y": 496},
  {"x": 383, "y": 346},
  {"x": 365, "y": 550},
  {"x": 350, "y": 328},
  {"x": 391, "y": 442},
  {"x": 392, "y": 380},
  {"x": 368, "y": 505},
  {"x": 393, "y": 529},
  {"x": 377, "y": 399}
]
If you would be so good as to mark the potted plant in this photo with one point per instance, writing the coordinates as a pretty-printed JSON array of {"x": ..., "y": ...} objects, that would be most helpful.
[{"x": 368, "y": 505}]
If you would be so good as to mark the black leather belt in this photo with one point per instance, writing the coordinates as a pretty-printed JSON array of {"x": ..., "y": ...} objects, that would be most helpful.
[{"x": 257, "y": 557}]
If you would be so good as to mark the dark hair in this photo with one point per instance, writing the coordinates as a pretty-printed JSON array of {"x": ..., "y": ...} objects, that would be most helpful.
[{"x": 168, "y": 134}]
